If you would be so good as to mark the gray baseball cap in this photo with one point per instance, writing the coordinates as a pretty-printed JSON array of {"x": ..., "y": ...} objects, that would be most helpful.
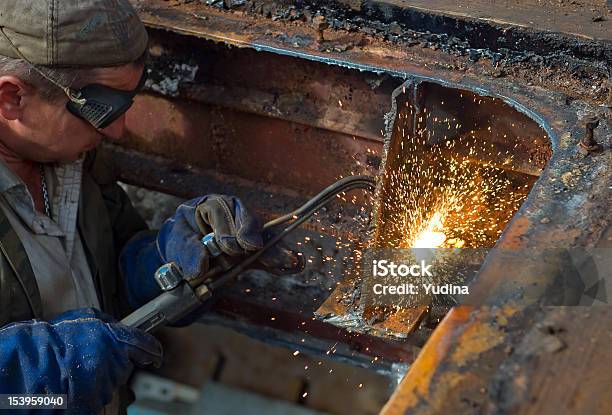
[{"x": 75, "y": 33}]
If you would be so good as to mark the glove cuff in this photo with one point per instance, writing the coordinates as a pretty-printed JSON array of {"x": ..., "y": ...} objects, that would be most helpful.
[{"x": 138, "y": 262}]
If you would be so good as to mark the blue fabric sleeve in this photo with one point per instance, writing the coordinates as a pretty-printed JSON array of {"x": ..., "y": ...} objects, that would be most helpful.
[
  {"x": 82, "y": 353},
  {"x": 138, "y": 262}
]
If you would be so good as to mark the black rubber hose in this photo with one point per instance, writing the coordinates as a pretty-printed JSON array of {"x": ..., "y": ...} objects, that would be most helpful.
[
  {"x": 342, "y": 185},
  {"x": 300, "y": 215}
]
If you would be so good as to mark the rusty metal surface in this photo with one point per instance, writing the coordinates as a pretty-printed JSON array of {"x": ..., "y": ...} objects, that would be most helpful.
[
  {"x": 468, "y": 357},
  {"x": 582, "y": 19},
  {"x": 555, "y": 81},
  {"x": 401, "y": 38},
  {"x": 277, "y": 86},
  {"x": 247, "y": 145},
  {"x": 493, "y": 123},
  {"x": 502, "y": 360},
  {"x": 475, "y": 360}
]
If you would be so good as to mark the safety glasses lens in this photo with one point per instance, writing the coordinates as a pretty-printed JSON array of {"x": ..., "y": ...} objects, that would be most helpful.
[{"x": 100, "y": 105}]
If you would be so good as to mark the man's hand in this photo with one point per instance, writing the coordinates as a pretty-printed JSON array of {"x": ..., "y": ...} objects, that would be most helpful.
[
  {"x": 84, "y": 354},
  {"x": 237, "y": 232}
]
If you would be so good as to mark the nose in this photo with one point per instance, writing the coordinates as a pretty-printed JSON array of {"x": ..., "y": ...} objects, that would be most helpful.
[{"x": 115, "y": 130}]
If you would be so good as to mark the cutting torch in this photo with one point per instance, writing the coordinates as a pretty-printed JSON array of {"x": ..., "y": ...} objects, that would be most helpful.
[{"x": 181, "y": 297}]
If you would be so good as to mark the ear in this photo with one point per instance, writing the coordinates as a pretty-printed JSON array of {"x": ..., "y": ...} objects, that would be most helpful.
[{"x": 12, "y": 92}]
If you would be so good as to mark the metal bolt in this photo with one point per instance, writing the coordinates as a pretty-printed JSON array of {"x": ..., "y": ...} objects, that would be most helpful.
[
  {"x": 320, "y": 24},
  {"x": 588, "y": 143}
]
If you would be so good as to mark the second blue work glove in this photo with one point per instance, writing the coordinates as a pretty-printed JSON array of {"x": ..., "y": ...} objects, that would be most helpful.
[{"x": 84, "y": 354}]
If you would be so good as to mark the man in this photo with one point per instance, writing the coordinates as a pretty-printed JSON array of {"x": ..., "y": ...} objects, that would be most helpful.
[{"x": 68, "y": 73}]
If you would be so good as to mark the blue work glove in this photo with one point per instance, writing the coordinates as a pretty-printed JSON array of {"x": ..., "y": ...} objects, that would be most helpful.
[
  {"x": 84, "y": 354},
  {"x": 237, "y": 232}
]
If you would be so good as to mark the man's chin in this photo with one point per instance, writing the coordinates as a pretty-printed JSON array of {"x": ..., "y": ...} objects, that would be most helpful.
[{"x": 71, "y": 158}]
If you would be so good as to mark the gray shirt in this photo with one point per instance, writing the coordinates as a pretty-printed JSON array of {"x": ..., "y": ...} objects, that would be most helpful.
[{"x": 53, "y": 245}]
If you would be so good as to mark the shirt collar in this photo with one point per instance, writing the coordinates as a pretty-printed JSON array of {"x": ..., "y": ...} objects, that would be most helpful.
[{"x": 8, "y": 179}]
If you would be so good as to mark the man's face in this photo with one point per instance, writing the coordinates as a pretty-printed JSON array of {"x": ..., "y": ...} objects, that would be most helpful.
[{"x": 46, "y": 131}]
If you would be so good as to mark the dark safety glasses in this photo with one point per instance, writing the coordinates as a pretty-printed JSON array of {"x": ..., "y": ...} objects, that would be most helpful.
[
  {"x": 100, "y": 105},
  {"x": 97, "y": 104}
]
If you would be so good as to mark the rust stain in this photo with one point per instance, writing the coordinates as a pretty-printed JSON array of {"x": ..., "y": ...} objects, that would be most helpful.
[
  {"x": 477, "y": 339},
  {"x": 515, "y": 232},
  {"x": 507, "y": 311},
  {"x": 404, "y": 320},
  {"x": 417, "y": 381},
  {"x": 464, "y": 348}
]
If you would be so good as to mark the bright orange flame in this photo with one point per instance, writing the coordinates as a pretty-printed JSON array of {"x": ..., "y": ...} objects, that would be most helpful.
[{"x": 432, "y": 236}]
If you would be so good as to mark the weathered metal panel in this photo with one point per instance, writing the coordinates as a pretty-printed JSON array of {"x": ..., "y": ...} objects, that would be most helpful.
[{"x": 568, "y": 206}]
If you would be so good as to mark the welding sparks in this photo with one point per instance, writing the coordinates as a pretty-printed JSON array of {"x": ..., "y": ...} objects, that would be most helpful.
[{"x": 439, "y": 192}]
